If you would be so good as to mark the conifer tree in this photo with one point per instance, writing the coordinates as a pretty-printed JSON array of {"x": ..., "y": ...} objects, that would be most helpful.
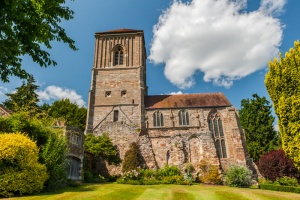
[
  {"x": 282, "y": 82},
  {"x": 25, "y": 98},
  {"x": 257, "y": 121}
]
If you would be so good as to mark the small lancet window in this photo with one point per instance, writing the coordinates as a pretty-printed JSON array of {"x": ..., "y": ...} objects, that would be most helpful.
[
  {"x": 183, "y": 118},
  {"x": 216, "y": 128},
  {"x": 118, "y": 56},
  {"x": 158, "y": 119},
  {"x": 116, "y": 115}
]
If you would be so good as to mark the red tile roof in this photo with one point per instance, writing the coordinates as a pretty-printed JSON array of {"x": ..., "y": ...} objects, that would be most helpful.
[
  {"x": 122, "y": 30},
  {"x": 186, "y": 101}
]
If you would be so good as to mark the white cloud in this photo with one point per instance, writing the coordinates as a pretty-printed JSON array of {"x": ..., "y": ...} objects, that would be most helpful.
[
  {"x": 56, "y": 93},
  {"x": 272, "y": 7},
  {"x": 218, "y": 38},
  {"x": 3, "y": 91},
  {"x": 174, "y": 93}
]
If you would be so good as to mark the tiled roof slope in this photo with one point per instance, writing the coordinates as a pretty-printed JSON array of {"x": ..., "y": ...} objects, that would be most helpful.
[
  {"x": 4, "y": 111},
  {"x": 186, "y": 100},
  {"x": 122, "y": 30}
]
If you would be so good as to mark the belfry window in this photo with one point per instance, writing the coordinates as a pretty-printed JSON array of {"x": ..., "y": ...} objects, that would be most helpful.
[
  {"x": 183, "y": 118},
  {"x": 216, "y": 128},
  {"x": 118, "y": 56},
  {"x": 158, "y": 119}
]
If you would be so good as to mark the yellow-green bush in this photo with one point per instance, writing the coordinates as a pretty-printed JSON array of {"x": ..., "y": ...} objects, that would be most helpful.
[
  {"x": 20, "y": 171},
  {"x": 209, "y": 173},
  {"x": 282, "y": 82}
]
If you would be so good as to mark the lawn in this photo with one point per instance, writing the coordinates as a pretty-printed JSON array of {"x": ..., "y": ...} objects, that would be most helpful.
[{"x": 114, "y": 191}]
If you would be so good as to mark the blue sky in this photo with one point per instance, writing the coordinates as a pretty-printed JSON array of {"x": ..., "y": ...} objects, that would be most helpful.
[{"x": 197, "y": 46}]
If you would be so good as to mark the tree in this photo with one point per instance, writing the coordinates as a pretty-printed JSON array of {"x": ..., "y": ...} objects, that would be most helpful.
[
  {"x": 25, "y": 98},
  {"x": 257, "y": 121},
  {"x": 27, "y": 26},
  {"x": 131, "y": 159},
  {"x": 282, "y": 82},
  {"x": 54, "y": 156},
  {"x": 70, "y": 112},
  {"x": 103, "y": 147},
  {"x": 275, "y": 164}
]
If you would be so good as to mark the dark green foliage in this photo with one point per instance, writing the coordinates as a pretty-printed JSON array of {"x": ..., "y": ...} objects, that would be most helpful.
[
  {"x": 238, "y": 176},
  {"x": 257, "y": 121},
  {"x": 89, "y": 177},
  {"x": 131, "y": 159},
  {"x": 24, "y": 123},
  {"x": 24, "y": 99},
  {"x": 70, "y": 112},
  {"x": 279, "y": 188},
  {"x": 101, "y": 146},
  {"x": 26, "y": 27},
  {"x": 53, "y": 155},
  {"x": 276, "y": 164}
]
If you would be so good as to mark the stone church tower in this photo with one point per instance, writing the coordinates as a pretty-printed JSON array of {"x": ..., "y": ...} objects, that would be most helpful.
[{"x": 169, "y": 129}]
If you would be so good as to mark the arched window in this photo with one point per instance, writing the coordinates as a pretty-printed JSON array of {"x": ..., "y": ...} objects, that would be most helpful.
[
  {"x": 158, "y": 119},
  {"x": 118, "y": 56},
  {"x": 183, "y": 118},
  {"x": 216, "y": 128}
]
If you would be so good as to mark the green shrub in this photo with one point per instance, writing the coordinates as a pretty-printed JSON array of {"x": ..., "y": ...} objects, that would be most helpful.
[
  {"x": 175, "y": 179},
  {"x": 20, "y": 171},
  {"x": 169, "y": 171},
  {"x": 89, "y": 177},
  {"x": 166, "y": 175},
  {"x": 238, "y": 176},
  {"x": 264, "y": 181},
  {"x": 279, "y": 188},
  {"x": 209, "y": 173},
  {"x": 53, "y": 155},
  {"x": 287, "y": 181},
  {"x": 131, "y": 159}
]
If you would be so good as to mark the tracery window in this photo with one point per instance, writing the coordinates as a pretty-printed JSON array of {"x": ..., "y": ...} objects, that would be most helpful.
[
  {"x": 216, "y": 128},
  {"x": 118, "y": 56},
  {"x": 158, "y": 119},
  {"x": 183, "y": 118}
]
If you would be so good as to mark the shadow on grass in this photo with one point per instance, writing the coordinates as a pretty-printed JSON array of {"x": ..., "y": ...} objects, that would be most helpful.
[{"x": 84, "y": 187}]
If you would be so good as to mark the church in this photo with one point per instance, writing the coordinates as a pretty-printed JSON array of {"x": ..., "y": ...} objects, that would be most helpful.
[{"x": 169, "y": 129}]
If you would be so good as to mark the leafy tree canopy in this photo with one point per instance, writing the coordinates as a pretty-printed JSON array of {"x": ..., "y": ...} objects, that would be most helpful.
[
  {"x": 282, "y": 82},
  {"x": 103, "y": 147},
  {"x": 26, "y": 26},
  {"x": 68, "y": 111},
  {"x": 257, "y": 121}
]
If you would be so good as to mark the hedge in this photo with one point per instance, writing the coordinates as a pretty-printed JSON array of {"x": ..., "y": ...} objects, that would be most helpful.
[{"x": 279, "y": 188}]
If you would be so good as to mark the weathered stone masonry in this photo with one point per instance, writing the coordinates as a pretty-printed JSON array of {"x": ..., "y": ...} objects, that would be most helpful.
[{"x": 170, "y": 129}]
